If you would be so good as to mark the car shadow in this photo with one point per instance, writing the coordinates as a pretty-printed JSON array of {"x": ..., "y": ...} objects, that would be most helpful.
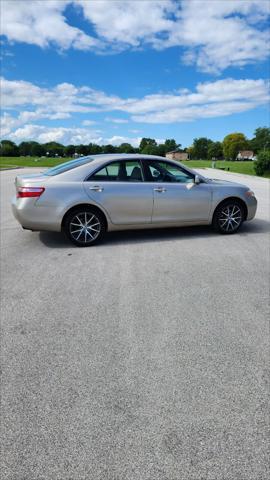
[
  {"x": 255, "y": 226},
  {"x": 58, "y": 240}
]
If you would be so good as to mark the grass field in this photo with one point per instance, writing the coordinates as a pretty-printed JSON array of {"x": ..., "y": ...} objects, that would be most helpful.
[
  {"x": 6, "y": 162},
  {"x": 238, "y": 167},
  {"x": 246, "y": 168}
]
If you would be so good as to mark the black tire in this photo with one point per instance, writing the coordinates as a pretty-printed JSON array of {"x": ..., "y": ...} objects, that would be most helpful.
[
  {"x": 84, "y": 226},
  {"x": 228, "y": 217}
]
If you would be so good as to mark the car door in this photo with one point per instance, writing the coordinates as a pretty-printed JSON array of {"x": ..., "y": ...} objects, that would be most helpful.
[
  {"x": 177, "y": 199},
  {"x": 120, "y": 189}
]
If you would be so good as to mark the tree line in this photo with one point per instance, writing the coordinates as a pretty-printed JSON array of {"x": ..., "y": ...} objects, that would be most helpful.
[
  {"x": 202, "y": 148},
  {"x": 53, "y": 149}
]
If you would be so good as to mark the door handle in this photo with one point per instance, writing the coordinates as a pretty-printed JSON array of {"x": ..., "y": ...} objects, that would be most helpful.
[
  {"x": 160, "y": 189},
  {"x": 96, "y": 188}
]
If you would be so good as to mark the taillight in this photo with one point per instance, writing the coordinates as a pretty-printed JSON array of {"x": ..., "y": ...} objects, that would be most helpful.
[{"x": 24, "y": 192}]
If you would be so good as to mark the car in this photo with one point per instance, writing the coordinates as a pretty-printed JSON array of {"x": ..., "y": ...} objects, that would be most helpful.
[{"x": 86, "y": 197}]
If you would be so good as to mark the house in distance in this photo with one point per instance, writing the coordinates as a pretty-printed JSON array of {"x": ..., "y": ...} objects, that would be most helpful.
[
  {"x": 246, "y": 155},
  {"x": 176, "y": 155}
]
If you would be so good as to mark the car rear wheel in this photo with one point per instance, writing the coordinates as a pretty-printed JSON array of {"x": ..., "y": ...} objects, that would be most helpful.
[
  {"x": 228, "y": 217},
  {"x": 85, "y": 226}
]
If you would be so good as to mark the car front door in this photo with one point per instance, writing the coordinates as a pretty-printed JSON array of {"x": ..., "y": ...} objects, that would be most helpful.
[
  {"x": 120, "y": 189},
  {"x": 177, "y": 198}
]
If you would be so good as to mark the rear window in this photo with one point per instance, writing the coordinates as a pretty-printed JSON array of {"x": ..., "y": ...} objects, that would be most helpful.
[{"x": 64, "y": 167}]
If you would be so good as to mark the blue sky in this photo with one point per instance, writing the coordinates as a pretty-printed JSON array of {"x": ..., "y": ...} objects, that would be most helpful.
[{"x": 108, "y": 71}]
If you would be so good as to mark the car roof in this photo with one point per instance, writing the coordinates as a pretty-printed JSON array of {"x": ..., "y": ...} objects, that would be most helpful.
[{"x": 121, "y": 156}]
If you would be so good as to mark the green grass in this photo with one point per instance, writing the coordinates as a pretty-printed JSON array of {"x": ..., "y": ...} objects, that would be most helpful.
[
  {"x": 246, "y": 168},
  {"x": 238, "y": 167},
  {"x": 6, "y": 162}
]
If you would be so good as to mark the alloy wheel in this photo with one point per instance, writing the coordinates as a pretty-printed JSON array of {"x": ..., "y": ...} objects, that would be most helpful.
[
  {"x": 85, "y": 227},
  {"x": 230, "y": 218}
]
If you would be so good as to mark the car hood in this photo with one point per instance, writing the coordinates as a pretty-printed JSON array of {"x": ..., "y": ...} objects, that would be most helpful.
[{"x": 226, "y": 183}]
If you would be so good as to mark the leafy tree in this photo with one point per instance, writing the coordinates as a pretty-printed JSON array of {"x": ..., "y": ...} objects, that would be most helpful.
[
  {"x": 150, "y": 149},
  {"x": 25, "y": 148},
  {"x": 145, "y": 142},
  {"x": 215, "y": 150},
  {"x": 261, "y": 141},
  {"x": 233, "y": 144},
  {"x": 54, "y": 148},
  {"x": 82, "y": 149},
  {"x": 160, "y": 150},
  {"x": 125, "y": 148},
  {"x": 109, "y": 149},
  {"x": 31, "y": 148},
  {"x": 69, "y": 150},
  {"x": 262, "y": 164},
  {"x": 8, "y": 149},
  {"x": 37, "y": 150},
  {"x": 94, "y": 149},
  {"x": 190, "y": 151},
  {"x": 170, "y": 145},
  {"x": 200, "y": 147}
]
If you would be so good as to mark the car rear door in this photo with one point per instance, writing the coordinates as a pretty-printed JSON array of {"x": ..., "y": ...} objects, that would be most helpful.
[
  {"x": 177, "y": 199},
  {"x": 119, "y": 188}
]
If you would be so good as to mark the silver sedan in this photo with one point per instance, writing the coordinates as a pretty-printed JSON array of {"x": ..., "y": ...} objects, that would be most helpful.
[{"x": 89, "y": 196}]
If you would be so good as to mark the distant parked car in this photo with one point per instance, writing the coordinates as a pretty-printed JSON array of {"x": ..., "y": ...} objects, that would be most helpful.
[{"x": 88, "y": 196}]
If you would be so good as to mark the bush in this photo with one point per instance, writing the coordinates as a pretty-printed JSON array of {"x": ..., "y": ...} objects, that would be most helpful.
[{"x": 262, "y": 164}]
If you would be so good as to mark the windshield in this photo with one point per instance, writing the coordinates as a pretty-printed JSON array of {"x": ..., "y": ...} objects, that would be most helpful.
[{"x": 64, "y": 167}]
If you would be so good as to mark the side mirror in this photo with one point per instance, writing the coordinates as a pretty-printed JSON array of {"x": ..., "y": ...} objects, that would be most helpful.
[{"x": 197, "y": 179}]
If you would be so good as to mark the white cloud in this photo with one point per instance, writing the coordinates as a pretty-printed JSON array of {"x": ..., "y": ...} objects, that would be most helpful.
[
  {"x": 7, "y": 124},
  {"x": 134, "y": 130},
  {"x": 219, "y": 34},
  {"x": 210, "y": 92},
  {"x": 63, "y": 135},
  {"x": 67, "y": 136},
  {"x": 213, "y": 34},
  {"x": 62, "y": 99},
  {"x": 118, "y": 139},
  {"x": 124, "y": 23},
  {"x": 116, "y": 120},
  {"x": 210, "y": 99},
  {"x": 135, "y": 142},
  {"x": 88, "y": 123},
  {"x": 42, "y": 23}
]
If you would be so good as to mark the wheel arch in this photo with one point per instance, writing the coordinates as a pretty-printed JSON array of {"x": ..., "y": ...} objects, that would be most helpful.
[
  {"x": 84, "y": 205},
  {"x": 228, "y": 199}
]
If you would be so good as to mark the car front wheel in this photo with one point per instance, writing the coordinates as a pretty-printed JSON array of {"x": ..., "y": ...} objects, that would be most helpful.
[
  {"x": 85, "y": 226},
  {"x": 228, "y": 217}
]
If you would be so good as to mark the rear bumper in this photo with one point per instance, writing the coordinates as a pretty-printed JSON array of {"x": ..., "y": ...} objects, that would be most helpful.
[{"x": 33, "y": 217}]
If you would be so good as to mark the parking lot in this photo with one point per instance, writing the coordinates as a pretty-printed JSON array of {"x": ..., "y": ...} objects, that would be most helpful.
[{"x": 143, "y": 358}]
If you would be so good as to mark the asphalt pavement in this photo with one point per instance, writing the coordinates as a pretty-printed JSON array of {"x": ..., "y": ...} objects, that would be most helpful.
[{"x": 143, "y": 358}]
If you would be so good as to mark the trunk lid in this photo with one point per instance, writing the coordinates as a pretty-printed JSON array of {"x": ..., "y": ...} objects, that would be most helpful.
[{"x": 32, "y": 179}]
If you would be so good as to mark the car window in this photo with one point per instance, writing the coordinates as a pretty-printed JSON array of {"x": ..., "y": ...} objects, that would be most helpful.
[
  {"x": 64, "y": 167},
  {"x": 124, "y": 171},
  {"x": 166, "y": 172}
]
